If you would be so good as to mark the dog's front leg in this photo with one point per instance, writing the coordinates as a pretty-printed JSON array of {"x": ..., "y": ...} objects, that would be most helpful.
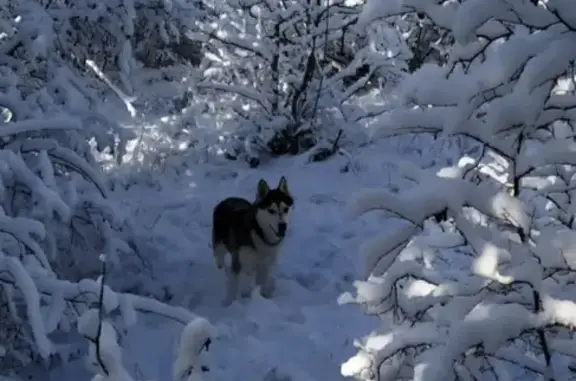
[
  {"x": 232, "y": 280},
  {"x": 248, "y": 259},
  {"x": 265, "y": 279},
  {"x": 219, "y": 251},
  {"x": 231, "y": 287}
]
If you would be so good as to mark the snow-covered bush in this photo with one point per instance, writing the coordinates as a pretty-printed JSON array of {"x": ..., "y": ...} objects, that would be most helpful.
[
  {"x": 482, "y": 290},
  {"x": 161, "y": 31},
  {"x": 427, "y": 40},
  {"x": 109, "y": 34},
  {"x": 58, "y": 60},
  {"x": 104, "y": 356},
  {"x": 92, "y": 47},
  {"x": 54, "y": 214},
  {"x": 272, "y": 66}
]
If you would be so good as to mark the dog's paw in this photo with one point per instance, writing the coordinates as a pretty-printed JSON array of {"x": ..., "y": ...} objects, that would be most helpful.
[
  {"x": 268, "y": 289},
  {"x": 267, "y": 292},
  {"x": 227, "y": 302},
  {"x": 267, "y": 295}
]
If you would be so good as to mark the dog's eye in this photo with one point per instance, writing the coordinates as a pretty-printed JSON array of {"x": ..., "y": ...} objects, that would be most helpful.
[
  {"x": 271, "y": 211},
  {"x": 285, "y": 210}
]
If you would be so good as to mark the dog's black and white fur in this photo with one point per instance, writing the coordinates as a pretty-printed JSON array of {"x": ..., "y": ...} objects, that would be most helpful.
[{"x": 252, "y": 233}]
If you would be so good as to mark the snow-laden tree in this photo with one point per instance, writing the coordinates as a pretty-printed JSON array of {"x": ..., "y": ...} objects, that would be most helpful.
[
  {"x": 281, "y": 68},
  {"x": 57, "y": 59},
  {"x": 476, "y": 298},
  {"x": 427, "y": 41},
  {"x": 97, "y": 41},
  {"x": 466, "y": 297},
  {"x": 161, "y": 31},
  {"x": 497, "y": 88},
  {"x": 54, "y": 213}
]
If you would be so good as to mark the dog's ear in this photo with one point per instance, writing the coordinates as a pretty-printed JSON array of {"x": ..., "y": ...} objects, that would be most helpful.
[
  {"x": 262, "y": 190},
  {"x": 283, "y": 185}
]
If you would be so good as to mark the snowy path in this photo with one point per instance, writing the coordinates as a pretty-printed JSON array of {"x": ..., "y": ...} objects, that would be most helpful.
[{"x": 302, "y": 331}]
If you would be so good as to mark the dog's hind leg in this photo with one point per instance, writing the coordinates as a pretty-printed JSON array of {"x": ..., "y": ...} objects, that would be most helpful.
[{"x": 219, "y": 251}]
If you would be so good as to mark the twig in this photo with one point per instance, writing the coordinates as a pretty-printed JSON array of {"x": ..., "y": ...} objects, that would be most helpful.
[
  {"x": 335, "y": 144},
  {"x": 321, "y": 82},
  {"x": 542, "y": 335},
  {"x": 127, "y": 100},
  {"x": 348, "y": 156},
  {"x": 324, "y": 153},
  {"x": 100, "y": 317}
]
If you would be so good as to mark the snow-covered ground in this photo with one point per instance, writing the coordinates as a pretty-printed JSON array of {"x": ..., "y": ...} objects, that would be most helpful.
[{"x": 302, "y": 331}]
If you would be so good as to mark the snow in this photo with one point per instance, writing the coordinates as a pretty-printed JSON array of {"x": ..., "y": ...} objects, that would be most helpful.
[
  {"x": 303, "y": 332},
  {"x": 464, "y": 269}
]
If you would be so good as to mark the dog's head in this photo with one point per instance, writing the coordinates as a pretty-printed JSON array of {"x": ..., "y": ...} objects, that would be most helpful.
[{"x": 273, "y": 207}]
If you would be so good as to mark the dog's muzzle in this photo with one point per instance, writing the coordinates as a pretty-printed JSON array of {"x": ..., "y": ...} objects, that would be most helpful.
[
  {"x": 282, "y": 229},
  {"x": 281, "y": 232}
]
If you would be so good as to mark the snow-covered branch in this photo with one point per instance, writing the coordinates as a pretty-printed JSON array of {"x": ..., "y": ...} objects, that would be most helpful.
[{"x": 477, "y": 274}]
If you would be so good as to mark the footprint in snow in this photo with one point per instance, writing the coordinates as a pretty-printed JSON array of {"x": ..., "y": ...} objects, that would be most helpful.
[
  {"x": 320, "y": 199},
  {"x": 348, "y": 234},
  {"x": 311, "y": 281},
  {"x": 325, "y": 229}
]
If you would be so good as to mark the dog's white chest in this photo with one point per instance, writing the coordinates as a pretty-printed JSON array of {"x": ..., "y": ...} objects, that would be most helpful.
[
  {"x": 264, "y": 250},
  {"x": 259, "y": 255}
]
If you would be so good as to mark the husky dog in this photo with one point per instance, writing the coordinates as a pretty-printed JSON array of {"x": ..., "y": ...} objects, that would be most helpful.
[{"x": 252, "y": 233}]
